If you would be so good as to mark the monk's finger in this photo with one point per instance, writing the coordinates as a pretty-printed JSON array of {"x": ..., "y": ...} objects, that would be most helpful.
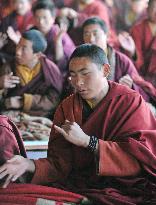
[
  {"x": 2, "y": 169},
  {"x": 60, "y": 130},
  {"x": 7, "y": 181},
  {"x": 3, "y": 174},
  {"x": 67, "y": 122}
]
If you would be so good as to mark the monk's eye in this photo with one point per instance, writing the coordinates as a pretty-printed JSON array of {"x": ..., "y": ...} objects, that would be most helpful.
[{"x": 86, "y": 73}]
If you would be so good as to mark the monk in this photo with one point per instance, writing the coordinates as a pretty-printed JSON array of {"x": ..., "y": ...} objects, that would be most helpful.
[
  {"x": 141, "y": 48},
  {"x": 122, "y": 69},
  {"x": 101, "y": 143},
  {"x": 60, "y": 46},
  {"x": 79, "y": 11},
  {"x": 32, "y": 83}
]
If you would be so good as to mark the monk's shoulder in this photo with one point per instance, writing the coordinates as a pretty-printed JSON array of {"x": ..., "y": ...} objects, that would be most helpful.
[
  {"x": 118, "y": 90},
  {"x": 68, "y": 101}
]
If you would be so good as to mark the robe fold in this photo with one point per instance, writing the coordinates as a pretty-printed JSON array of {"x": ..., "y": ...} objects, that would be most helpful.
[
  {"x": 120, "y": 66},
  {"x": 10, "y": 140},
  {"x": 125, "y": 167},
  {"x": 30, "y": 194}
]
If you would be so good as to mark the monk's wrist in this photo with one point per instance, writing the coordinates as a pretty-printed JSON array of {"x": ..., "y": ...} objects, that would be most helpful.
[
  {"x": 93, "y": 144},
  {"x": 30, "y": 166}
]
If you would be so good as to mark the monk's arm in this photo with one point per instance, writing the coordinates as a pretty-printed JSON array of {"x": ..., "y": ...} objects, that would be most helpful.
[{"x": 114, "y": 161}]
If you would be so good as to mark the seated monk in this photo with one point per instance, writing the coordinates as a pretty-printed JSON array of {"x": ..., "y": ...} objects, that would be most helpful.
[
  {"x": 142, "y": 48},
  {"x": 78, "y": 11},
  {"x": 102, "y": 142},
  {"x": 122, "y": 69},
  {"x": 60, "y": 46},
  {"x": 32, "y": 83}
]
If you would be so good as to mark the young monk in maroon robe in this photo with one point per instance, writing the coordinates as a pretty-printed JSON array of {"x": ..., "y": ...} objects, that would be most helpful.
[
  {"x": 32, "y": 83},
  {"x": 102, "y": 143}
]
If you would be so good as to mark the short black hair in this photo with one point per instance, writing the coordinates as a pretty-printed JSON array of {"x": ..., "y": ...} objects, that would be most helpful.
[
  {"x": 37, "y": 38},
  {"x": 95, "y": 53},
  {"x": 150, "y": 2},
  {"x": 95, "y": 20},
  {"x": 45, "y": 4}
]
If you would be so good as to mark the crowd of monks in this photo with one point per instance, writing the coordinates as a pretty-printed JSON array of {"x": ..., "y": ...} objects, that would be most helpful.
[
  {"x": 38, "y": 69},
  {"x": 130, "y": 37}
]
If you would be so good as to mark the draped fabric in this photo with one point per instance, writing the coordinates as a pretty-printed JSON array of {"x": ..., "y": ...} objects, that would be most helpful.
[
  {"x": 10, "y": 140},
  {"x": 37, "y": 195},
  {"x": 126, "y": 165}
]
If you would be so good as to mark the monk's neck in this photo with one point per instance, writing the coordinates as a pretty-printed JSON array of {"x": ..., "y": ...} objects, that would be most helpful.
[
  {"x": 95, "y": 101},
  {"x": 32, "y": 64},
  {"x": 152, "y": 27}
]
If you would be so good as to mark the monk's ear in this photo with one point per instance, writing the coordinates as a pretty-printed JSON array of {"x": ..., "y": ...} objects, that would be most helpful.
[{"x": 106, "y": 70}]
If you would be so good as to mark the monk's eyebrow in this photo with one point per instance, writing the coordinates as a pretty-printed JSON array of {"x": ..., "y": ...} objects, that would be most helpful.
[{"x": 81, "y": 70}]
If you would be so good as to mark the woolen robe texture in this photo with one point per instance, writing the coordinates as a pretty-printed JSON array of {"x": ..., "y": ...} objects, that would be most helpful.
[
  {"x": 124, "y": 170},
  {"x": 45, "y": 89},
  {"x": 145, "y": 51}
]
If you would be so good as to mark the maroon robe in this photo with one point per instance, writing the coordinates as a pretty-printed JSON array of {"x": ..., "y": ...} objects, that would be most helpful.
[
  {"x": 10, "y": 140},
  {"x": 145, "y": 51},
  {"x": 124, "y": 171},
  {"x": 120, "y": 66}
]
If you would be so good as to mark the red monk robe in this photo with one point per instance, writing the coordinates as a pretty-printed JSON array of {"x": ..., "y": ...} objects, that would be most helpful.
[
  {"x": 124, "y": 171},
  {"x": 12, "y": 144}
]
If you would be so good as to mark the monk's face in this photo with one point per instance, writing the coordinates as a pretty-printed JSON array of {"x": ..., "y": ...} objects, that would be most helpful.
[
  {"x": 94, "y": 34},
  {"x": 88, "y": 78},
  {"x": 152, "y": 12},
  {"x": 44, "y": 20},
  {"x": 24, "y": 53},
  {"x": 21, "y": 6}
]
